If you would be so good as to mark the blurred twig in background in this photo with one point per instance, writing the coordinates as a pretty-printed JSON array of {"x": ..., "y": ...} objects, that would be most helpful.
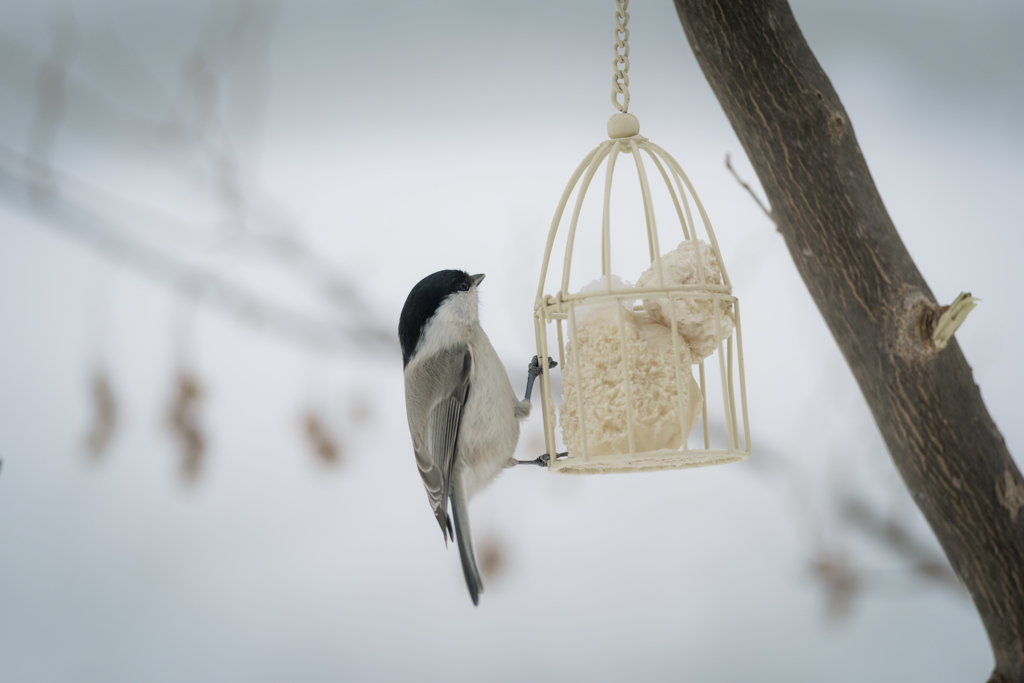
[
  {"x": 894, "y": 536},
  {"x": 195, "y": 131},
  {"x": 840, "y": 580},
  {"x": 196, "y": 282},
  {"x": 104, "y": 414},
  {"x": 842, "y": 574},
  {"x": 191, "y": 138}
]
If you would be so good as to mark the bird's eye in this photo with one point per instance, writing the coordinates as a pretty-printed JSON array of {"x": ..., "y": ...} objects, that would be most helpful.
[{"x": 464, "y": 286}]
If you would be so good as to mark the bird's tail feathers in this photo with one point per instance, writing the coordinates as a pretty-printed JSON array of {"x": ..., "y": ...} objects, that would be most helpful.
[{"x": 460, "y": 512}]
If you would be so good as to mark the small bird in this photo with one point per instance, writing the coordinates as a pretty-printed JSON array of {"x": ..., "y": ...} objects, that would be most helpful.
[{"x": 463, "y": 413}]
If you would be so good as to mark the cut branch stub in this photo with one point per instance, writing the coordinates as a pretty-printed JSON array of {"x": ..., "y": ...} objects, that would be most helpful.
[{"x": 952, "y": 318}]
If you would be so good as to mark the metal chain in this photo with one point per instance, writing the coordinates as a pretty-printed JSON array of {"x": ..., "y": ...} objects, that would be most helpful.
[{"x": 620, "y": 65}]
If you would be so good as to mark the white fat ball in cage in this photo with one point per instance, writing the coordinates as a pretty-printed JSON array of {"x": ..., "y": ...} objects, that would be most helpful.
[
  {"x": 654, "y": 395},
  {"x": 694, "y": 317}
]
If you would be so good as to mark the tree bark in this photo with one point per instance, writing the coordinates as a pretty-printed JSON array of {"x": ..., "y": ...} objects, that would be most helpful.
[{"x": 880, "y": 310}]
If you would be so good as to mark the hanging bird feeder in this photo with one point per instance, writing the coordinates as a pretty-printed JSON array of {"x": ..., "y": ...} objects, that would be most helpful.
[{"x": 628, "y": 352}]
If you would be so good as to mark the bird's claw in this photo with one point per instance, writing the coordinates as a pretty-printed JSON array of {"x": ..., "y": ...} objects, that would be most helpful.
[
  {"x": 536, "y": 369},
  {"x": 543, "y": 460}
]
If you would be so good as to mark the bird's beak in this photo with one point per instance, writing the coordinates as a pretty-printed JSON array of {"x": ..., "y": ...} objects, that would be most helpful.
[{"x": 477, "y": 279}]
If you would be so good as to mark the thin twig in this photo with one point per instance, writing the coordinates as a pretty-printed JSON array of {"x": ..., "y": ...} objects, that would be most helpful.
[
  {"x": 36, "y": 197},
  {"x": 767, "y": 211},
  {"x": 893, "y": 536}
]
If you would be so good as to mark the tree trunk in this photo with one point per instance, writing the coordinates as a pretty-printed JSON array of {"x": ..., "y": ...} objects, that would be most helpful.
[{"x": 929, "y": 410}]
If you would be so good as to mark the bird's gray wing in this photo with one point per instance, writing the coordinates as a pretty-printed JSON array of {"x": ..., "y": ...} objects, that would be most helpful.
[{"x": 436, "y": 391}]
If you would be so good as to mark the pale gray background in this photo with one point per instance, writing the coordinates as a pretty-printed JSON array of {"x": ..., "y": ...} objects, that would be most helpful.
[{"x": 405, "y": 137}]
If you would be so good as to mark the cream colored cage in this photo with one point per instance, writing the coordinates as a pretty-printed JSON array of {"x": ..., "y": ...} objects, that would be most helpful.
[{"x": 620, "y": 432}]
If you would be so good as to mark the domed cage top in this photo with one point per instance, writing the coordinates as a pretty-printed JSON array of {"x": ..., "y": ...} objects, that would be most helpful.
[{"x": 629, "y": 398}]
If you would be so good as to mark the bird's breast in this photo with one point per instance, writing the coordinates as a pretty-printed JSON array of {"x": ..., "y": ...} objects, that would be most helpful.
[{"x": 489, "y": 430}]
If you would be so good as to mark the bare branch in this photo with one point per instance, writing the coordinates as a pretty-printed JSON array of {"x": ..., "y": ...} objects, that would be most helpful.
[{"x": 939, "y": 433}]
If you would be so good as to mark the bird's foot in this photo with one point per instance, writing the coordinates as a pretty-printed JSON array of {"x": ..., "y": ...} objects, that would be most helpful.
[
  {"x": 543, "y": 460},
  {"x": 535, "y": 370}
]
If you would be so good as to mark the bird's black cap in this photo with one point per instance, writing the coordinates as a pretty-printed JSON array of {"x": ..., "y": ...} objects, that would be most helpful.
[{"x": 423, "y": 301}]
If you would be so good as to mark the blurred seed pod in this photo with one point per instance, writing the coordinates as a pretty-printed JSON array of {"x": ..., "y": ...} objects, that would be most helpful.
[
  {"x": 324, "y": 445},
  {"x": 184, "y": 423},
  {"x": 840, "y": 580},
  {"x": 104, "y": 421},
  {"x": 492, "y": 556}
]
